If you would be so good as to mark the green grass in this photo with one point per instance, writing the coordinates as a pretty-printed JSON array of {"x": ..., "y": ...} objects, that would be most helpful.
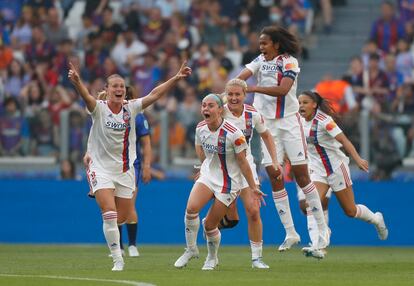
[{"x": 343, "y": 266}]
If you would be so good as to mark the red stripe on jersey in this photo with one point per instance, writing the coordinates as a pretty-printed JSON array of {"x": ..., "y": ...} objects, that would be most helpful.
[
  {"x": 249, "y": 108},
  {"x": 229, "y": 127}
]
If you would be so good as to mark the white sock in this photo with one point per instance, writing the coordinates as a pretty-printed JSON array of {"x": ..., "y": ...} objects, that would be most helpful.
[
  {"x": 314, "y": 203},
  {"x": 312, "y": 227},
  {"x": 213, "y": 242},
  {"x": 281, "y": 201},
  {"x": 257, "y": 249},
  {"x": 365, "y": 214},
  {"x": 192, "y": 224},
  {"x": 326, "y": 215},
  {"x": 111, "y": 232}
]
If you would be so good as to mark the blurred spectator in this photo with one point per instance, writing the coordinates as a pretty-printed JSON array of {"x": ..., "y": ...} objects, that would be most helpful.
[
  {"x": 13, "y": 129},
  {"x": 39, "y": 48},
  {"x": 33, "y": 96},
  {"x": 294, "y": 14},
  {"x": 76, "y": 136},
  {"x": 10, "y": 10},
  {"x": 44, "y": 135},
  {"x": 128, "y": 51},
  {"x": 83, "y": 36},
  {"x": 6, "y": 56},
  {"x": 154, "y": 30},
  {"x": 109, "y": 29},
  {"x": 395, "y": 78},
  {"x": 68, "y": 170},
  {"x": 15, "y": 79},
  {"x": 94, "y": 56},
  {"x": 58, "y": 101},
  {"x": 405, "y": 60},
  {"x": 387, "y": 29},
  {"x": 338, "y": 93},
  {"x": 53, "y": 28},
  {"x": 406, "y": 10},
  {"x": 147, "y": 74},
  {"x": 22, "y": 32},
  {"x": 253, "y": 48}
]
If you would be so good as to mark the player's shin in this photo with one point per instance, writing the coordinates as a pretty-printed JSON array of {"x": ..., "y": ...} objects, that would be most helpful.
[
  {"x": 111, "y": 232},
  {"x": 192, "y": 225}
]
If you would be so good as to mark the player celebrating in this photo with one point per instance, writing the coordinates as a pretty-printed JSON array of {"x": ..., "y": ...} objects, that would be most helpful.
[
  {"x": 329, "y": 165},
  {"x": 276, "y": 71},
  {"x": 111, "y": 145},
  {"x": 221, "y": 147},
  {"x": 246, "y": 118}
]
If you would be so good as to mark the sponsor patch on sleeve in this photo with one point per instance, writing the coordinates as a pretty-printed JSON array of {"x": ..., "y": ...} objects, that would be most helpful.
[
  {"x": 240, "y": 141},
  {"x": 330, "y": 126},
  {"x": 290, "y": 66}
]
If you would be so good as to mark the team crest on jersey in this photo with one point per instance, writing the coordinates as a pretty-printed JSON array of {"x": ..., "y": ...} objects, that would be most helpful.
[
  {"x": 279, "y": 63},
  {"x": 126, "y": 116}
]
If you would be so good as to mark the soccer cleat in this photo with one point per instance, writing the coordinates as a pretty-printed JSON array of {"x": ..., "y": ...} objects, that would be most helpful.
[
  {"x": 210, "y": 263},
  {"x": 381, "y": 227},
  {"x": 186, "y": 257},
  {"x": 309, "y": 251},
  {"x": 258, "y": 263},
  {"x": 289, "y": 242},
  {"x": 133, "y": 251},
  {"x": 118, "y": 264}
]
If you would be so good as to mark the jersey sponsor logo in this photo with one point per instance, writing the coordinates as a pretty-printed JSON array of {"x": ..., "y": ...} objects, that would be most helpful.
[
  {"x": 330, "y": 126},
  {"x": 116, "y": 125},
  {"x": 239, "y": 141},
  {"x": 267, "y": 68},
  {"x": 210, "y": 148}
]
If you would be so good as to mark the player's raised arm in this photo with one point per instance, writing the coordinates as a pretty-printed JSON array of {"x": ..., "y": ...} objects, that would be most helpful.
[
  {"x": 74, "y": 77},
  {"x": 245, "y": 74},
  {"x": 160, "y": 90}
]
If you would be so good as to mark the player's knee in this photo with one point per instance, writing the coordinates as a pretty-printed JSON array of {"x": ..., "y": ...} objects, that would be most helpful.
[
  {"x": 350, "y": 211},
  {"x": 228, "y": 223}
]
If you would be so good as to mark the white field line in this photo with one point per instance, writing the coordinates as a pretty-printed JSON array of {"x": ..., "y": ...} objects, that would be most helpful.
[{"x": 126, "y": 282}]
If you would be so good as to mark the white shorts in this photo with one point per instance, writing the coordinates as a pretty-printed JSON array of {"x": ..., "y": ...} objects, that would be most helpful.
[
  {"x": 339, "y": 180},
  {"x": 302, "y": 197},
  {"x": 225, "y": 198},
  {"x": 123, "y": 184},
  {"x": 289, "y": 138}
]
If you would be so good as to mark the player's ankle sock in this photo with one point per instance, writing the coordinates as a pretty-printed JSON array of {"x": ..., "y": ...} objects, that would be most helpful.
[
  {"x": 312, "y": 227},
  {"x": 111, "y": 232},
  {"x": 132, "y": 233},
  {"x": 213, "y": 242},
  {"x": 314, "y": 203},
  {"x": 257, "y": 249},
  {"x": 281, "y": 201},
  {"x": 192, "y": 224},
  {"x": 365, "y": 214}
]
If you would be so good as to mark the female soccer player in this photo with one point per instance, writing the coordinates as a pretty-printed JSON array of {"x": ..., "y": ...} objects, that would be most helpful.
[
  {"x": 142, "y": 165},
  {"x": 111, "y": 145},
  {"x": 246, "y": 118},
  {"x": 276, "y": 70},
  {"x": 328, "y": 164},
  {"x": 221, "y": 147}
]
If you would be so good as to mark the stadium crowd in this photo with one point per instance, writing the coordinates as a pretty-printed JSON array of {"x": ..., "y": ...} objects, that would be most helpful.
[{"x": 145, "y": 41}]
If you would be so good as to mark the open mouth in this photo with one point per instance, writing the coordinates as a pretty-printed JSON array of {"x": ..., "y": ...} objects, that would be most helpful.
[
  {"x": 206, "y": 115},
  {"x": 302, "y": 112}
]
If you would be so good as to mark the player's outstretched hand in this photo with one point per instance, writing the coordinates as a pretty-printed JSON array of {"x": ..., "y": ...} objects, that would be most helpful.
[
  {"x": 184, "y": 71},
  {"x": 73, "y": 74},
  {"x": 259, "y": 196}
]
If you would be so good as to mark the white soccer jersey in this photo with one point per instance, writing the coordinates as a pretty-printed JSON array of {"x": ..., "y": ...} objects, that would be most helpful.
[
  {"x": 270, "y": 73},
  {"x": 220, "y": 148},
  {"x": 249, "y": 119},
  {"x": 323, "y": 149},
  {"x": 111, "y": 142}
]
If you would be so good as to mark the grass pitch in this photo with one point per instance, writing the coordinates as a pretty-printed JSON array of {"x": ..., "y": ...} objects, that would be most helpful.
[{"x": 39, "y": 265}]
